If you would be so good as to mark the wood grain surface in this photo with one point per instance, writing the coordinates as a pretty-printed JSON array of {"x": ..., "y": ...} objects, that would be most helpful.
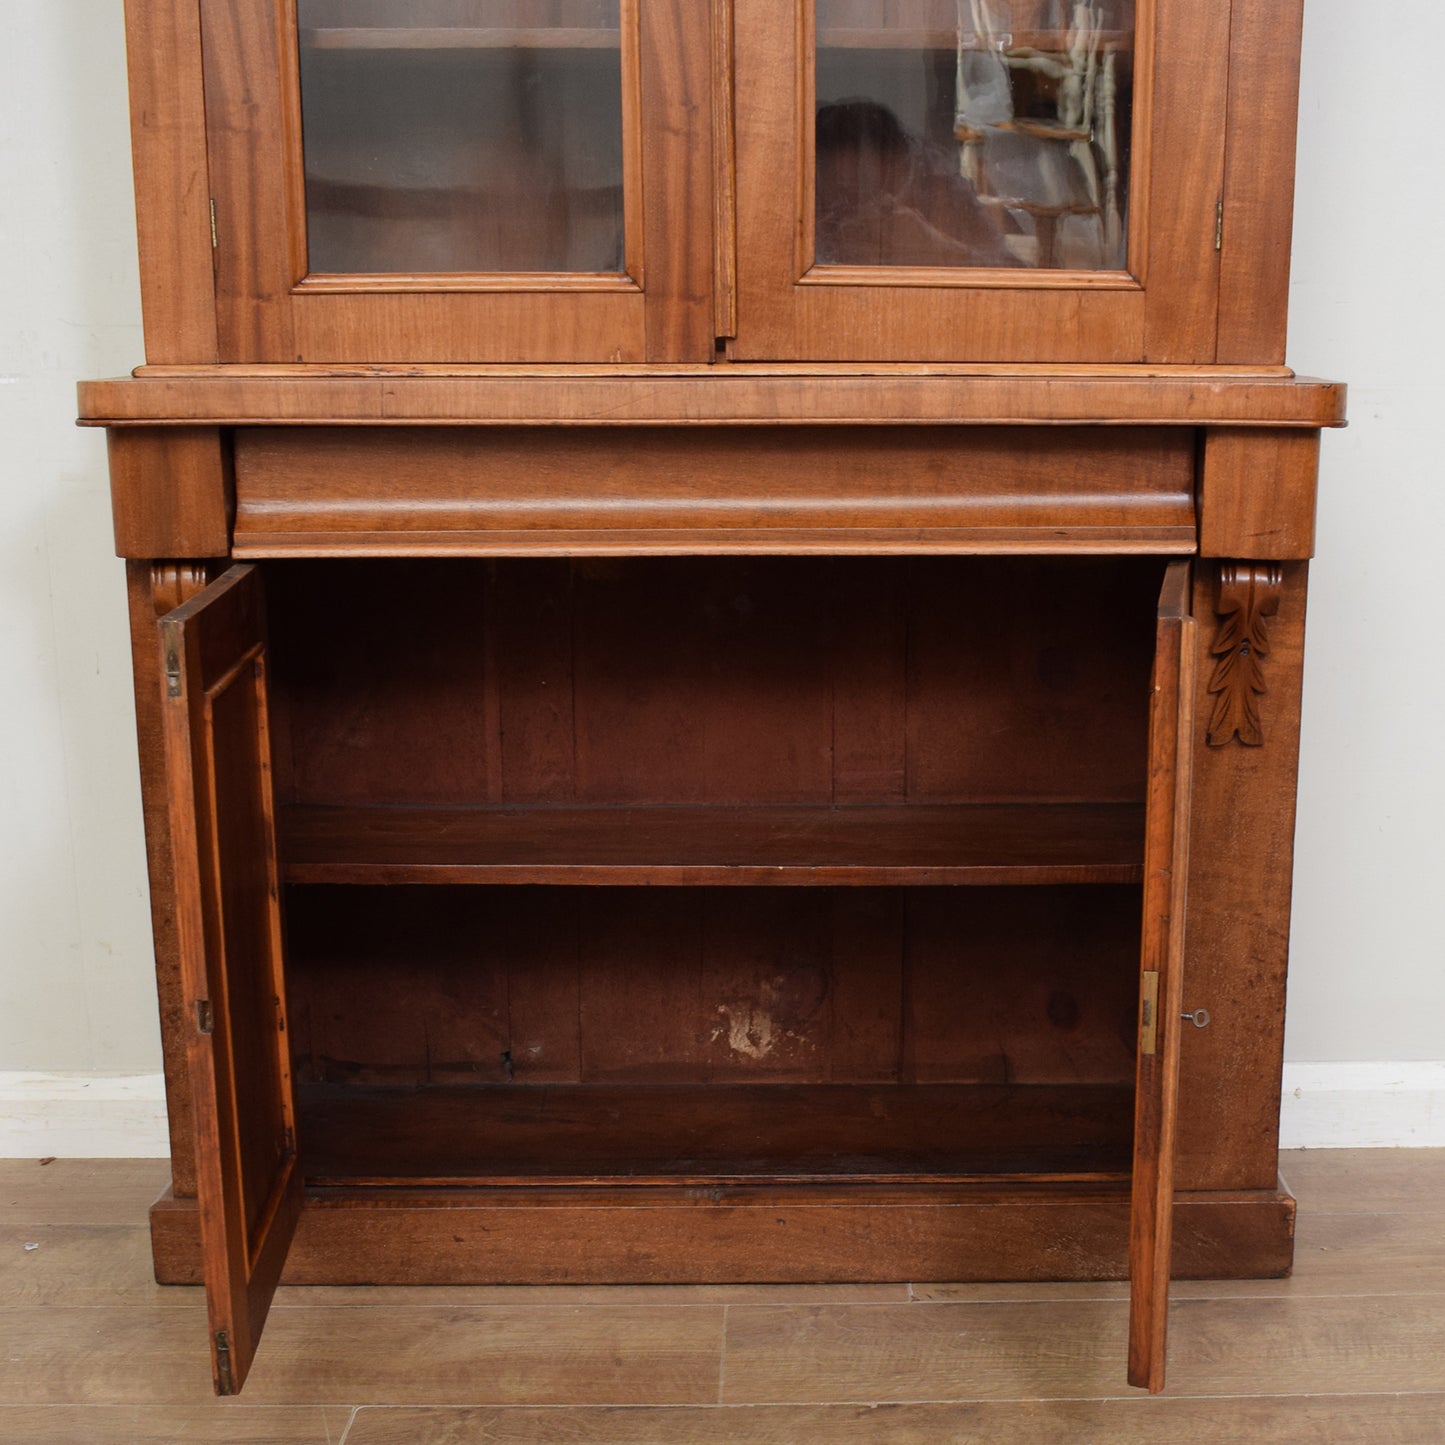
[
  {"x": 723, "y": 395},
  {"x": 737, "y": 846},
  {"x": 168, "y": 146},
  {"x": 171, "y": 492},
  {"x": 324, "y": 489}
]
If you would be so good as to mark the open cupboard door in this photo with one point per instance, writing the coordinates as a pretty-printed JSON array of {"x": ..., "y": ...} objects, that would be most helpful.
[
  {"x": 1166, "y": 857},
  {"x": 222, "y": 819}
]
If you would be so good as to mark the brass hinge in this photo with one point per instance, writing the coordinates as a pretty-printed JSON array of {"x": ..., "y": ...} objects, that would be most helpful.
[
  {"x": 205, "y": 1019},
  {"x": 215, "y": 240},
  {"x": 173, "y": 673},
  {"x": 224, "y": 1376},
  {"x": 1149, "y": 1014},
  {"x": 1219, "y": 225}
]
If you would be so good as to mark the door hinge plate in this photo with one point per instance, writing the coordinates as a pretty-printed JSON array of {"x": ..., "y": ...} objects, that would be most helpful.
[
  {"x": 215, "y": 239},
  {"x": 1149, "y": 1014},
  {"x": 205, "y": 1018},
  {"x": 224, "y": 1376},
  {"x": 1219, "y": 225}
]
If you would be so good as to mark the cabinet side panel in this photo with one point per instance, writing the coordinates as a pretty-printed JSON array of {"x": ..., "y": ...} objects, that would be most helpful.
[
  {"x": 1258, "y": 493},
  {"x": 1240, "y": 866},
  {"x": 1259, "y": 181},
  {"x": 171, "y": 491},
  {"x": 173, "y": 191},
  {"x": 152, "y": 591}
]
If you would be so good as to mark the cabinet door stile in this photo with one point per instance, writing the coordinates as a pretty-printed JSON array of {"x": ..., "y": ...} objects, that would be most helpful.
[
  {"x": 1166, "y": 848},
  {"x": 222, "y": 815}
]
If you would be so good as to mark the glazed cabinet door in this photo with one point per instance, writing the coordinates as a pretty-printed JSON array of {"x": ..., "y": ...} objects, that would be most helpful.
[
  {"x": 402, "y": 181},
  {"x": 228, "y": 923},
  {"x": 979, "y": 180},
  {"x": 1166, "y": 850}
]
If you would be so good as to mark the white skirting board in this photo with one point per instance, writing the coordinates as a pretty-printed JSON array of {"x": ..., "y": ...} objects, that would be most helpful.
[
  {"x": 83, "y": 1116},
  {"x": 123, "y": 1116},
  {"x": 1363, "y": 1106}
]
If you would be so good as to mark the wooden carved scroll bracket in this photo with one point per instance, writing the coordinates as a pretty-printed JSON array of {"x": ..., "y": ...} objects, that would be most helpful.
[
  {"x": 173, "y": 583},
  {"x": 1249, "y": 594}
]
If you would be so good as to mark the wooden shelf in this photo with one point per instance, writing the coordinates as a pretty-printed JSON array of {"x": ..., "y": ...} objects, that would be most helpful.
[
  {"x": 900, "y": 38},
  {"x": 457, "y": 37},
  {"x": 643, "y": 1134},
  {"x": 917, "y": 844}
]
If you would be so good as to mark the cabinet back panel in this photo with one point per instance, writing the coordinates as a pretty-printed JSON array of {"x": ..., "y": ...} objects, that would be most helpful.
[
  {"x": 713, "y": 680},
  {"x": 994, "y": 986}
]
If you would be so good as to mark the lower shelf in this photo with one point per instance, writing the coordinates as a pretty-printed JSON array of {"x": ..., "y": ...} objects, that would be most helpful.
[{"x": 710, "y": 1134}]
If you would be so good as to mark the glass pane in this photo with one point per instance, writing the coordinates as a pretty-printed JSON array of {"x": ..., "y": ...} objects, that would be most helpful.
[
  {"x": 462, "y": 135},
  {"x": 973, "y": 132}
]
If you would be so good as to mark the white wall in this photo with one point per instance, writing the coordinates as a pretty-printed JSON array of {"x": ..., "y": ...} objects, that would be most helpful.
[
  {"x": 75, "y": 991},
  {"x": 1367, "y": 982},
  {"x": 1368, "y": 305}
]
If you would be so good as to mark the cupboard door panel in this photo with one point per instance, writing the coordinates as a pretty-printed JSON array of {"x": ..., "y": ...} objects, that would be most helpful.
[
  {"x": 979, "y": 183},
  {"x": 229, "y": 929},
  {"x": 436, "y": 182},
  {"x": 1166, "y": 858}
]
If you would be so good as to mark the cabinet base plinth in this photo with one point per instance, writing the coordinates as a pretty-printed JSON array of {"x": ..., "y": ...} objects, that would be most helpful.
[{"x": 392, "y": 1237}]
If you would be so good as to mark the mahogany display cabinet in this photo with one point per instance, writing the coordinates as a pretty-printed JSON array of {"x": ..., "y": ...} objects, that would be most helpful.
[{"x": 718, "y": 593}]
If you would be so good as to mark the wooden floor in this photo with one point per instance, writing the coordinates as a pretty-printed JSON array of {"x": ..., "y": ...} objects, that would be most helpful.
[{"x": 1352, "y": 1349}]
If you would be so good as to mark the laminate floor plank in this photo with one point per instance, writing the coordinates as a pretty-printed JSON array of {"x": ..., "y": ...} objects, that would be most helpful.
[
  {"x": 85, "y": 1264},
  {"x": 223, "y": 1422},
  {"x": 1297, "y": 1420},
  {"x": 80, "y": 1191},
  {"x": 1366, "y": 1181},
  {"x": 107, "y": 1355},
  {"x": 1012, "y": 1351},
  {"x": 586, "y": 1355},
  {"x": 1335, "y": 1254},
  {"x": 659, "y": 1296},
  {"x": 527, "y": 1355}
]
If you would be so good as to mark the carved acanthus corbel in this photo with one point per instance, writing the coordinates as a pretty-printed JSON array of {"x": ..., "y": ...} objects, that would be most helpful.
[{"x": 1249, "y": 594}]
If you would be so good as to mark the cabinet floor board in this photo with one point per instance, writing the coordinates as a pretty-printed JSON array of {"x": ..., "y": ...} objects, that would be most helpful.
[{"x": 705, "y": 1134}]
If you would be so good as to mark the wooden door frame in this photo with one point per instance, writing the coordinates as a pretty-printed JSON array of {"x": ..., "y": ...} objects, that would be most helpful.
[
  {"x": 270, "y": 311},
  {"x": 1163, "y": 311},
  {"x": 1166, "y": 875},
  {"x": 248, "y": 1172}
]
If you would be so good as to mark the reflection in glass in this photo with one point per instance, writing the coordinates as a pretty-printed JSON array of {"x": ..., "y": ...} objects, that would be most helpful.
[
  {"x": 462, "y": 135},
  {"x": 973, "y": 132}
]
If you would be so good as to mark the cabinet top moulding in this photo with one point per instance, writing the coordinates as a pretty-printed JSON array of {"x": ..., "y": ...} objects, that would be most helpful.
[{"x": 711, "y": 396}]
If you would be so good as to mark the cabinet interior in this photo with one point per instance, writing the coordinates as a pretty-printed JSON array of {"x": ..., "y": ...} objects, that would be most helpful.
[{"x": 712, "y": 869}]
